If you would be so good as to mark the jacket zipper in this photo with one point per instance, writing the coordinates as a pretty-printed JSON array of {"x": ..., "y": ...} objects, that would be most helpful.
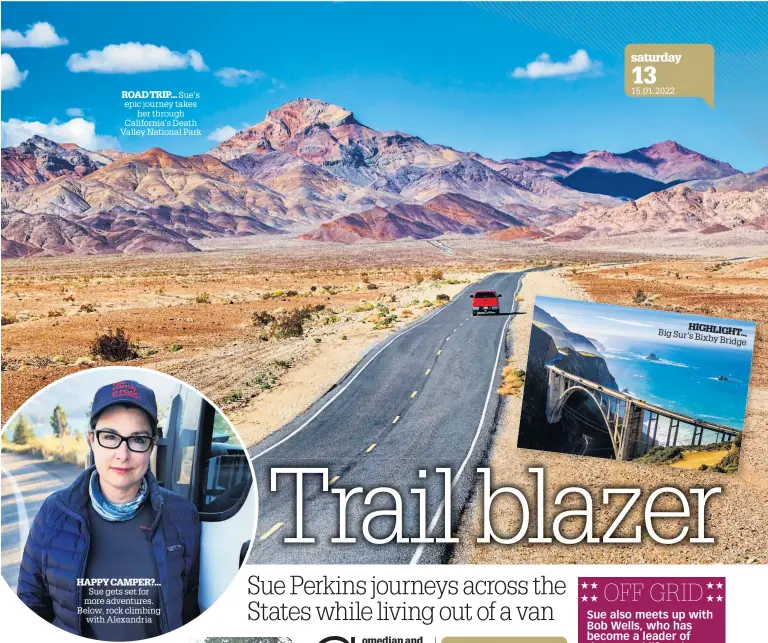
[
  {"x": 79, "y": 593},
  {"x": 153, "y": 531}
]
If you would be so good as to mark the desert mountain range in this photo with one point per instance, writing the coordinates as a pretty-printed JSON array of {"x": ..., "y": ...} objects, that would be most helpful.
[{"x": 311, "y": 168}]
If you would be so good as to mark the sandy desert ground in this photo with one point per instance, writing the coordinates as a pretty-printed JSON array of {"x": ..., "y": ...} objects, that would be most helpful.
[
  {"x": 261, "y": 382},
  {"x": 736, "y": 518},
  {"x": 57, "y": 306}
]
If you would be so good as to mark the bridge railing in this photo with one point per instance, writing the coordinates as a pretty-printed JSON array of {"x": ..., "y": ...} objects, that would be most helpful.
[{"x": 654, "y": 412}]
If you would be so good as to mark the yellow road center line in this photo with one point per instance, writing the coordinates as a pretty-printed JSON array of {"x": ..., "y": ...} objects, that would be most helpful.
[
  {"x": 427, "y": 373},
  {"x": 334, "y": 479},
  {"x": 371, "y": 448},
  {"x": 271, "y": 530},
  {"x": 396, "y": 419},
  {"x": 414, "y": 394}
]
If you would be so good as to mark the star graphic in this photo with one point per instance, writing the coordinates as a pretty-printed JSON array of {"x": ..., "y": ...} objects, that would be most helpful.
[
  {"x": 719, "y": 599},
  {"x": 719, "y": 586},
  {"x": 710, "y": 598},
  {"x": 584, "y": 599},
  {"x": 594, "y": 585},
  {"x": 594, "y": 599},
  {"x": 710, "y": 585},
  {"x": 584, "y": 586}
]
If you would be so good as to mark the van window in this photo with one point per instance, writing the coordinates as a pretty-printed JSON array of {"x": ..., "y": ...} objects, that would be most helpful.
[
  {"x": 485, "y": 294},
  {"x": 208, "y": 464}
]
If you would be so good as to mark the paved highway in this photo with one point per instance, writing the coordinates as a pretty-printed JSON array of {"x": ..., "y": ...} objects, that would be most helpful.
[
  {"x": 26, "y": 482},
  {"x": 423, "y": 398}
]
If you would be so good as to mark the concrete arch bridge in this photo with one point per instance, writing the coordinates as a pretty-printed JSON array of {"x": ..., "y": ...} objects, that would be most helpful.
[{"x": 625, "y": 417}]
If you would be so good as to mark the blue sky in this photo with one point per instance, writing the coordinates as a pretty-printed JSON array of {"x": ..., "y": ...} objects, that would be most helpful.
[{"x": 441, "y": 71}]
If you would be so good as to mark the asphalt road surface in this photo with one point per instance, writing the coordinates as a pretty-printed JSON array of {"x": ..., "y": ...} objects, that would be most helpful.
[
  {"x": 424, "y": 398},
  {"x": 26, "y": 483}
]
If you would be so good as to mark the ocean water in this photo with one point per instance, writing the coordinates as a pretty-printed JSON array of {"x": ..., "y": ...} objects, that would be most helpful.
[{"x": 685, "y": 380}]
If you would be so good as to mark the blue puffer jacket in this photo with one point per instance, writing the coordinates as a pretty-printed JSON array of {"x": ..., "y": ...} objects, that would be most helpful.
[{"x": 56, "y": 554}]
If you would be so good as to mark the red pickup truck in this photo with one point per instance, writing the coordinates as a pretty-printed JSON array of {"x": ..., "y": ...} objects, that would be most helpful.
[{"x": 484, "y": 301}]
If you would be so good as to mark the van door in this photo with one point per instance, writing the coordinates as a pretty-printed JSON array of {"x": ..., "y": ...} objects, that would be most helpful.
[{"x": 201, "y": 458}]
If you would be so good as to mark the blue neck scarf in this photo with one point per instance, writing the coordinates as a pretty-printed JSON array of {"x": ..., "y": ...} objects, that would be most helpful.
[{"x": 111, "y": 511}]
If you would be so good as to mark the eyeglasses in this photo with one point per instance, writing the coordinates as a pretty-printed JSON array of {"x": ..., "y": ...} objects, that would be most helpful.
[{"x": 136, "y": 443}]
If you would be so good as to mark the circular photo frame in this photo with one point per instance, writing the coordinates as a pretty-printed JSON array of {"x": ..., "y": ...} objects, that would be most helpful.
[{"x": 129, "y": 503}]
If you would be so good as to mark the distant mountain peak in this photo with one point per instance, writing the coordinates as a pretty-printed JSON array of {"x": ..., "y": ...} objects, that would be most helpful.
[
  {"x": 668, "y": 146},
  {"x": 298, "y": 114}
]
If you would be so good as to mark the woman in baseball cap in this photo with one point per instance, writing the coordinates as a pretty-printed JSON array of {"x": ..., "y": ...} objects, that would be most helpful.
[{"x": 115, "y": 528}]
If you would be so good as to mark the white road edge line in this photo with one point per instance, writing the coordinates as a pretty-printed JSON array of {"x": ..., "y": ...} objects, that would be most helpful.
[
  {"x": 346, "y": 386},
  {"x": 420, "y": 550},
  {"x": 21, "y": 509}
]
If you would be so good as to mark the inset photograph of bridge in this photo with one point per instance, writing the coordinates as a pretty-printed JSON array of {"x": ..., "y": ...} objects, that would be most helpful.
[{"x": 637, "y": 384}]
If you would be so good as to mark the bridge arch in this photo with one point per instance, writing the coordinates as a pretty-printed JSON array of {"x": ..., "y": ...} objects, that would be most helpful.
[{"x": 558, "y": 410}]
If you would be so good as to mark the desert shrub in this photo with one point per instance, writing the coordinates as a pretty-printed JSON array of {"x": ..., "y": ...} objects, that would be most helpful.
[
  {"x": 407, "y": 313},
  {"x": 114, "y": 347},
  {"x": 203, "y": 298},
  {"x": 87, "y": 308},
  {"x": 284, "y": 363},
  {"x": 175, "y": 348},
  {"x": 291, "y": 293},
  {"x": 371, "y": 286},
  {"x": 264, "y": 381},
  {"x": 640, "y": 296},
  {"x": 512, "y": 380},
  {"x": 160, "y": 291},
  {"x": 436, "y": 274},
  {"x": 363, "y": 307},
  {"x": 331, "y": 319},
  {"x": 8, "y": 319},
  {"x": 418, "y": 277},
  {"x": 291, "y": 323},
  {"x": 262, "y": 318},
  {"x": 313, "y": 288},
  {"x": 319, "y": 307},
  {"x": 235, "y": 396},
  {"x": 69, "y": 298},
  {"x": 385, "y": 321},
  {"x": 343, "y": 337},
  {"x": 318, "y": 340},
  {"x": 56, "y": 312},
  {"x": 442, "y": 297}
]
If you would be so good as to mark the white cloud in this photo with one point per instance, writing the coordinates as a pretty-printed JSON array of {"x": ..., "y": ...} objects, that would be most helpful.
[
  {"x": 11, "y": 76},
  {"x": 133, "y": 58},
  {"x": 630, "y": 323},
  {"x": 76, "y": 130},
  {"x": 74, "y": 112},
  {"x": 40, "y": 34},
  {"x": 543, "y": 67},
  {"x": 231, "y": 77},
  {"x": 221, "y": 134}
]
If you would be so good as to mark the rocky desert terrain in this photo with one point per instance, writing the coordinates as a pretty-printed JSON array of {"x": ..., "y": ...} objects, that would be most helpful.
[{"x": 311, "y": 170}]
